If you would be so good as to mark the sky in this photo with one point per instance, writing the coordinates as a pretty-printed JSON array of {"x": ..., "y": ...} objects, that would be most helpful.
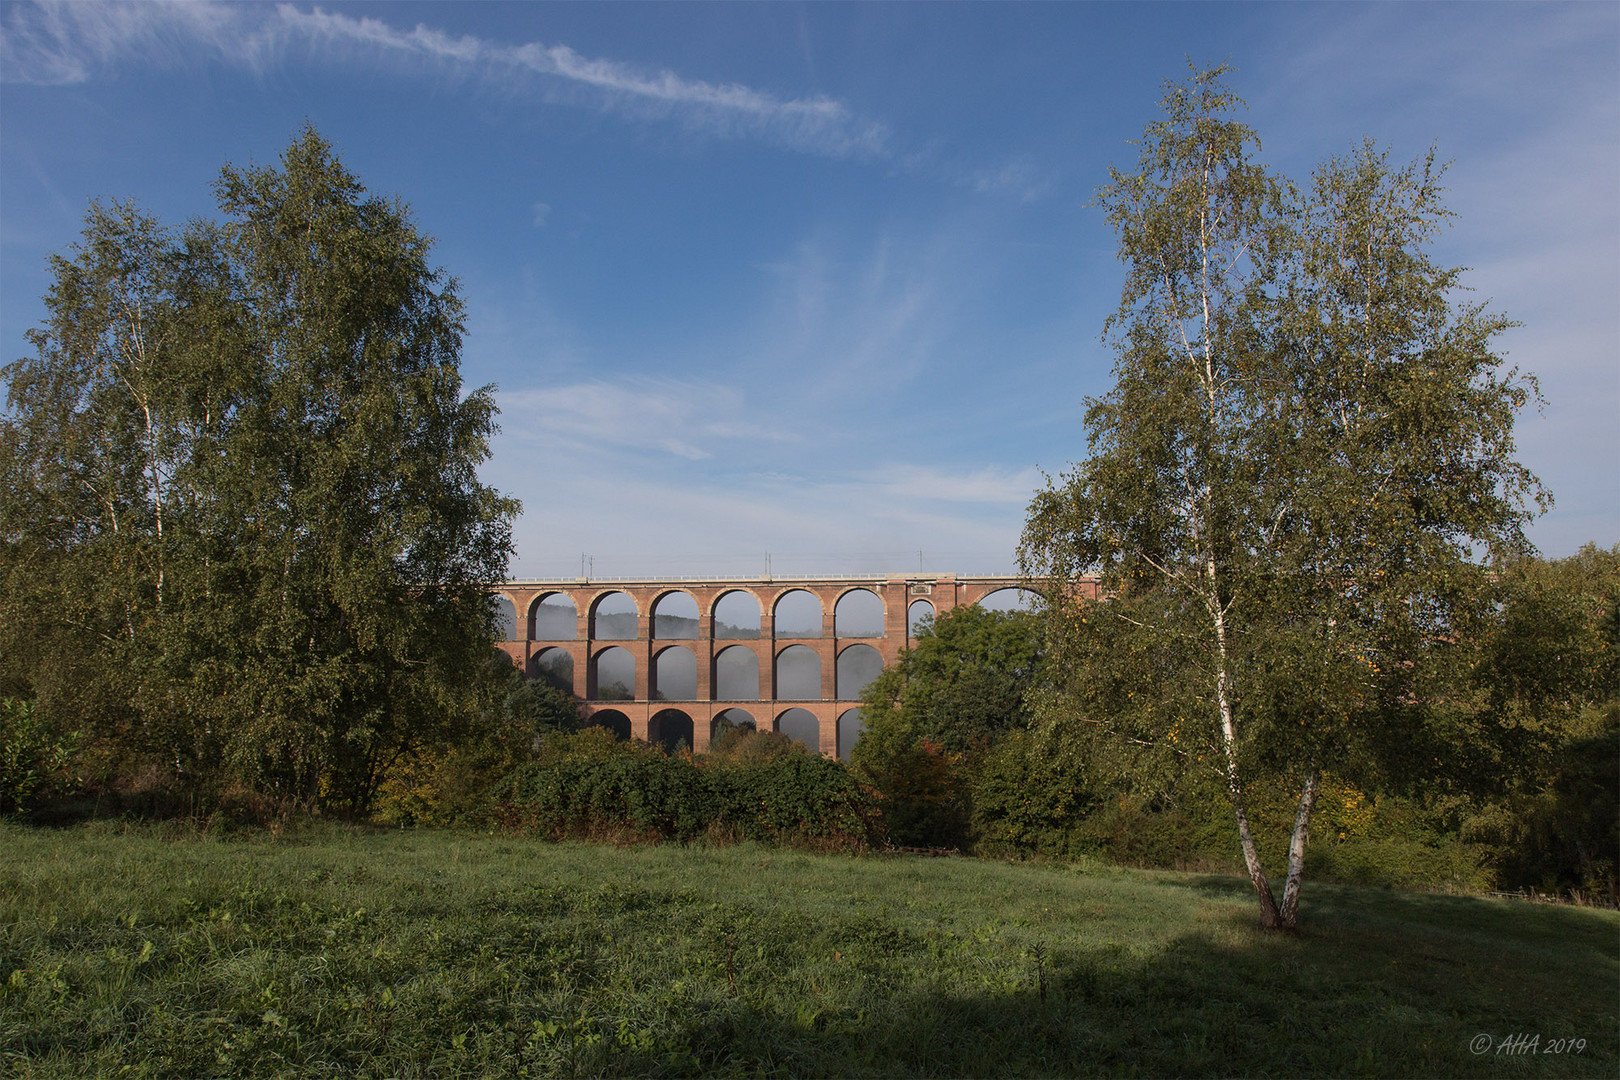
[{"x": 819, "y": 288}]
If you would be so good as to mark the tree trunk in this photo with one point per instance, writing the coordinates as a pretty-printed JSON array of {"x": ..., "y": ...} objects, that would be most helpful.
[
  {"x": 1296, "y": 853},
  {"x": 1228, "y": 732},
  {"x": 1269, "y": 917}
]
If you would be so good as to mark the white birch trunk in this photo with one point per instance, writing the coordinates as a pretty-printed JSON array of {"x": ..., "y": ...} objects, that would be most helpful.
[{"x": 1296, "y": 852}]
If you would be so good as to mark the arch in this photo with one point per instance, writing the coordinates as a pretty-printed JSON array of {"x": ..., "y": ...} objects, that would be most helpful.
[
  {"x": 614, "y": 720},
  {"x": 505, "y": 616},
  {"x": 915, "y": 614},
  {"x": 675, "y": 617},
  {"x": 851, "y": 722},
  {"x": 736, "y": 615},
  {"x": 798, "y": 674},
  {"x": 674, "y": 674},
  {"x": 802, "y": 726},
  {"x": 553, "y": 666},
  {"x": 1011, "y": 598},
  {"x": 857, "y": 666},
  {"x": 614, "y": 617},
  {"x": 730, "y": 718},
  {"x": 553, "y": 617},
  {"x": 858, "y": 613},
  {"x": 797, "y": 615},
  {"x": 615, "y": 675},
  {"x": 736, "y": 674},
  {"x": 670, "y": 728}
]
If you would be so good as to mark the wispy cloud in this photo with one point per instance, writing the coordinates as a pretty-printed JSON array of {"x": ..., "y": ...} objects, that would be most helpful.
[
  {"x": 680, "y": 417},
  {"x": 60, "y": 43},
  {"x": 57, "y": 43},
  {"x": 703, "y": 525},
  {"x": 990, "y": 485},
  {"x": 849, "y": 320},
  {"x": 1021, "y": 178}
]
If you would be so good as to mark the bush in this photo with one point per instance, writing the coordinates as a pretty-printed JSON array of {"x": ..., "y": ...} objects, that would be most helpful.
[
  {"x": 34, "y": 757},
  {"x": 590, "y": 786},
  {"x": 1568, "y": 836},
  {"x": 925, "y": 794},
  {"x": 798, "y": 799},
  {"x": 438, "y": 784},
  {"x": 1027, "y": 801}
]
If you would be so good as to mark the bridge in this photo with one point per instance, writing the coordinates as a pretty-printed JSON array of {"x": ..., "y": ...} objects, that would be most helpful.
[{"x": 671, "y": 660}]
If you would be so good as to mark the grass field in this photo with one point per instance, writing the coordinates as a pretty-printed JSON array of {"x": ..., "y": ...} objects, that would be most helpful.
[{"x": 338, "y": 951}]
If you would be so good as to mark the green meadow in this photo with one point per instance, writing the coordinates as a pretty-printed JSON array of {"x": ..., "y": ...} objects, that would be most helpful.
[{"x": 331, "y": 950}]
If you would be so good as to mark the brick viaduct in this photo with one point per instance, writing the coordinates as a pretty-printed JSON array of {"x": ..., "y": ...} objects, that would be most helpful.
[{"x": 855, "y": 635}]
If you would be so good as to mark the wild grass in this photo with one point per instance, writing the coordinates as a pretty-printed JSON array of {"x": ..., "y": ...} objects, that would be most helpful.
[{"x": 341, "y": 951}]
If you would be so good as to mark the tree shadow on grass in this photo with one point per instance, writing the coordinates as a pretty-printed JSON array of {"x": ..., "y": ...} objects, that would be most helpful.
[{"x": 1271, "y": 1008}]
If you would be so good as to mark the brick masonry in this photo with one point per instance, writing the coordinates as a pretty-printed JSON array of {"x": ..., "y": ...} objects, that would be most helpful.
[{"x": 897, "y": 592}]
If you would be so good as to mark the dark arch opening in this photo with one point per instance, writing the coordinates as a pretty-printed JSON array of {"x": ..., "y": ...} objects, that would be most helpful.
[
  {"x": 798, "y": 615},
  {"x": 858, "y": 665},
  {"x": 553, "y": 666},
  {"x": 798, "y": 674},
  {"x": 919, "y": 615},
  {"x": 730, "y": 720},
  {"x": 1011, "y": 598},
  {"x": 505, "y": 617},
  {"x": 614, "y": 720},
  {"x": 670, "y": 729},
  {"x": 615, "y": 675},
  {"x": 801, "y": 725},
  {"x": 614, "y": 618},
  {"x": 851, "y": 722}
]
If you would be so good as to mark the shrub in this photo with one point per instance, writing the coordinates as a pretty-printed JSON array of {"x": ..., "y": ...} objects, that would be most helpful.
[
  {"x": 1568, "y": 836},
  {"x": 34, "y": 757},
  {"x": 588, "y": 785},
  {"x": 438, "y": 784},
  {"x": 1027, "y": 801},
  {"x": 798, "y": 798}
]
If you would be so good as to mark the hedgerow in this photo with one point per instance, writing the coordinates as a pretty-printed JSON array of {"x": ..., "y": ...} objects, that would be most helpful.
[{"x": 586, "y": 786}]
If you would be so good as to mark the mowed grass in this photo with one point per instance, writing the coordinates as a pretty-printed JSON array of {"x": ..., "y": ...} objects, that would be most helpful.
[{"x": 340, "y": 951}]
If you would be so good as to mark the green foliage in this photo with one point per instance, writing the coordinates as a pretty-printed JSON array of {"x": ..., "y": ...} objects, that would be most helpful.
[
  {"x": 1307, "y": 441},
  {"x": 947, "y": 700},
  {"x": 341, "y": 951},
  {"x": 535, "y": 707},
  {"x": 745, "y": 746},
  {"x": 1030, "y": 797},
  {"x": 441, "y": 782},
  {"x": 962, "y": 684},
  {"x": 243, "y": 538},
  {"x": 33, "y": 757},
  {"x": 760, "y": 787},
  {"x": 1566, "y": 836}
]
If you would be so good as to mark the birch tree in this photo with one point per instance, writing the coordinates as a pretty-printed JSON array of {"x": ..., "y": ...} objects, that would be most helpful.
[
  {"x": 243, "y": 529},
  {"x": 1296, "y": 480}
]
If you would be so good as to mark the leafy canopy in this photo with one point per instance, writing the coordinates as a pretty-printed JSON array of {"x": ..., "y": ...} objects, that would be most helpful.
[
  {"x": 1307, "y": 448},
  {"x": 244, "y": 536}
]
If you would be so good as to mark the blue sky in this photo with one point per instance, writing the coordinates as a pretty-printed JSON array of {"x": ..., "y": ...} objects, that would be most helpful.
[{"x": 822, "y": 280}]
